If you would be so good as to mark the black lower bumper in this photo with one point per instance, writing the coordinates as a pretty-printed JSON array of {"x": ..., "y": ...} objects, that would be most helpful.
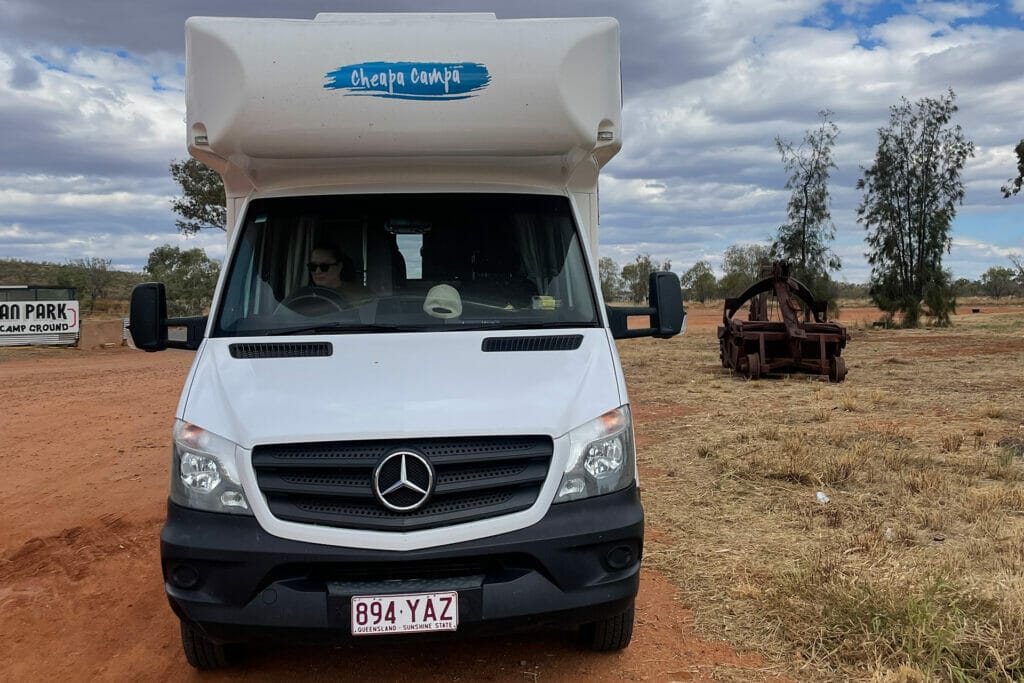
[{"x": 224, "y": 574}]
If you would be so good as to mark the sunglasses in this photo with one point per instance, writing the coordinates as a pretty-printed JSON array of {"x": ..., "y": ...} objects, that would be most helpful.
[{"x": 322, "y": 267}]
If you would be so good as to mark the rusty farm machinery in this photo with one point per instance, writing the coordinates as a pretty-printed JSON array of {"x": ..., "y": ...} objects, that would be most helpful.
[{"x": 786, "y": 330}]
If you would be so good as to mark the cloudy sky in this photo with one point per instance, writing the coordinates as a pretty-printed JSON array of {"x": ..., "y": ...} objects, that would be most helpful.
[{"x": 92, "y": 111}]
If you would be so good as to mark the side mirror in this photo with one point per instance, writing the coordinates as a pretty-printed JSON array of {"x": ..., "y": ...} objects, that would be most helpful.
[
  {"x": 666, "y": 311},
  {"x": 667, "y": 299},
  {"x": 148, "y": 321}
]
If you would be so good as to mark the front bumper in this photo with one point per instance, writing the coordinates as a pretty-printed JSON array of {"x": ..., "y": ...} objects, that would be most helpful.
[{"x": 231, "y": 579}]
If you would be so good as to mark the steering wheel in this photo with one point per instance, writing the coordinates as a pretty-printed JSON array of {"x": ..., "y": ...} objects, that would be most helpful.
[{"x": 315, "y": 301}]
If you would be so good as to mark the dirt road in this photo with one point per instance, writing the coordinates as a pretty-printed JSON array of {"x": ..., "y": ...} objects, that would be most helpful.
[{"x": 84, "y": 442}]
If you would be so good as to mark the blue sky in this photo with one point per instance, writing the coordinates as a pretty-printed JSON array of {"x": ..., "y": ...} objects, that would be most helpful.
[{"x": 92, "y": 108}]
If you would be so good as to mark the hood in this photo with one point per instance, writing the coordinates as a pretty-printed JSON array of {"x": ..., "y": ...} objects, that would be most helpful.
[{"x": 406, "y": 384}]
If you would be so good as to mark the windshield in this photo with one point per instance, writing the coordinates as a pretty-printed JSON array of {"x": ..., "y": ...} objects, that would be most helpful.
[{"x": 406, "y": 262}]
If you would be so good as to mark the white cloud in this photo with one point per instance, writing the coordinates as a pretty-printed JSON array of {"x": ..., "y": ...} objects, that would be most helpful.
[
  {"x": 128, "y": 251},
  {"x": 12, "y": 231},
  {"x": 951, "y": 11},
  {"x": 986, "y": 249},
  {"x": 685, "y": 195},
  {"x": 857, "y": 8},
  {"x": 22, "y": 202},
  {"x": 94, "y": 102}
]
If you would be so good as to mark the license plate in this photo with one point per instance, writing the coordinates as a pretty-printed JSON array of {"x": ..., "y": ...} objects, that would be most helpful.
[{"x": 408, "y": 613}]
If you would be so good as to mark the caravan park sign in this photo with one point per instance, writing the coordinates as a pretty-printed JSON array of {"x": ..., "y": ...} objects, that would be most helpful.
[{"x": 38, "y": 317}]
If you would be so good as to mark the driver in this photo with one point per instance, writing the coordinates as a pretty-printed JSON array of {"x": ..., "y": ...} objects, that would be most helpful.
[{"x": 327, "y": 269}]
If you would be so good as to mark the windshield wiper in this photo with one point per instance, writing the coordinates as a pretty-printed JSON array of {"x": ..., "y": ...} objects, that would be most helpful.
[
  {"x": 344, "y": 328},
  {"x": 350, "y": 328},
  {"x": 521, "y": 326}
]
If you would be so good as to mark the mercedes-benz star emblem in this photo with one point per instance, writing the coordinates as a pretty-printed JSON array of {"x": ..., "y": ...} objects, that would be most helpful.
[{"x": 403, "y": 481}]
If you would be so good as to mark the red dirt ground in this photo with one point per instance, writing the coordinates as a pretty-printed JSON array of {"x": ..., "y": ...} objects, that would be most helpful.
[{"x": 84, "y": 439}]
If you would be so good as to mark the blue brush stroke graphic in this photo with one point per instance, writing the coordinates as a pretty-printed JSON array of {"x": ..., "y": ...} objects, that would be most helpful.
[{"x": 410, "y": 80}]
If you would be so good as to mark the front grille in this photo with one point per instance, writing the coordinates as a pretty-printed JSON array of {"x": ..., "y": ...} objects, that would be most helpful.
[{"x": 331, "y": 483}]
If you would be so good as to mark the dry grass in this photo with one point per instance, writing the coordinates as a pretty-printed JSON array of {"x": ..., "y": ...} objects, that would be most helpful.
[{"x": 915, "y": 568}]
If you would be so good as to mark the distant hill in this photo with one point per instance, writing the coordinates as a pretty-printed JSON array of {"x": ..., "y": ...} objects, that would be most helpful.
[
  {"x": 18, "y": 272},
  {"x": 113, "y": 301}
]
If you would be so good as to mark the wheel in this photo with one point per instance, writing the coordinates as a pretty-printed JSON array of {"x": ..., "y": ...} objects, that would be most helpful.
[
  {"x": 836, "y": 369},
  {"x": 753, "y": 366},
  {"x": 314, "y": 301},
  {"x": 203, "y": 653},
  {"x": 608, "y": 635}
]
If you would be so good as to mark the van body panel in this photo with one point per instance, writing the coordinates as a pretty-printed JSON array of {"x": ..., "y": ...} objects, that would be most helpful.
[
  {"x": 397, "y": 386},
  {"x": 538, "y": 98},
  {"x": 394, "y": 385}
]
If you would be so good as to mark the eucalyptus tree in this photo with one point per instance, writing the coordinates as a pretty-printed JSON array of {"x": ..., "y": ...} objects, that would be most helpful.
[
  {"x": 999, "y": 281},
  {"x": 698, "y": 282},
  {"x": 90, "y": 275},
  {"x": 1013, "y": 185},
  {"x": 202, "y": 203},
  {"x": 911, "y": 193},
  {"x": 189, "y": 275},
  {"x": 635, "y": 276},
  {"x": 744, "y": 264},
  {"x": 804, "y": 239},
  {"x": 611, "y": 282},
  {"x": 1018, "y": 263}
]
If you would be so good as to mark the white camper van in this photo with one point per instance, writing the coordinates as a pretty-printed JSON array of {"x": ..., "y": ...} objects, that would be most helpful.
[{"x": 406, "y": 413}]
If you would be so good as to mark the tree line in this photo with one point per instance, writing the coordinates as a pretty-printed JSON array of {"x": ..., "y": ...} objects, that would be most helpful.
[
  {"x": 188, "y": 274},
  {"x": 743, "y": 265},
  {"x": 996, "y": 282}
]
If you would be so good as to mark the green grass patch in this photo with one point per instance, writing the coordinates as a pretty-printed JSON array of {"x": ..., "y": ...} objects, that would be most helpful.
[{"x": 938, "y": 629}]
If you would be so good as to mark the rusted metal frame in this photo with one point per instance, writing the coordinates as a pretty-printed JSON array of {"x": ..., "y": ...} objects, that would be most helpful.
[
  {"x": 781, "y": 336},
  {"x": 734, "y": 304},
  {"x": 741, "y": 338},
  {"x": 785, "y": 307},
  {"x": 768, "y": 335}
]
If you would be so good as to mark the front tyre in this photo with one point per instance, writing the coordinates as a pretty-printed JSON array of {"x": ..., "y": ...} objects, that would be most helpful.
[
  {"x": 203, "y": 653},
  {"x": 608, "y": 635}
]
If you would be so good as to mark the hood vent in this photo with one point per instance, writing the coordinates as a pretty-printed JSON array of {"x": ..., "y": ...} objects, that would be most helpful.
[
  {"x": 558, "y": 342},
  {"x": 281, "y": 350}
]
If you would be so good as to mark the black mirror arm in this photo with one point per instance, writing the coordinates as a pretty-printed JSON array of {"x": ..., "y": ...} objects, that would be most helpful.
[
  {"x": 618, "y": 320},
  {"x": 666, "y": 312},
  {"x": 195, "y": 327}
]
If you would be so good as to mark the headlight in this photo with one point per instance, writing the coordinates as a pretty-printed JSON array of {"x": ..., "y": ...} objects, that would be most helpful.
[
  {"x": 203, "y": 471},
  {"x": 601, "y": 457}
]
